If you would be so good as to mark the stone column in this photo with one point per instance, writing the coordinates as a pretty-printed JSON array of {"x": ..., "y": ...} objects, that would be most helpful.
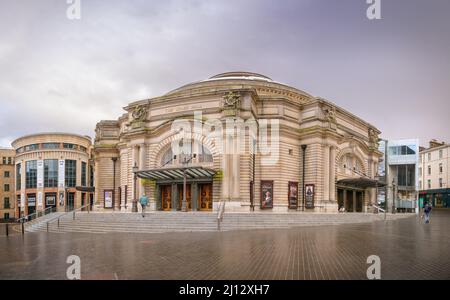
[
  {"x": 326, "y": 173},
  {"x": 345, "y": 199},
  {"x": 142, "y": 153},
  {"x": 332, "y": 165}
]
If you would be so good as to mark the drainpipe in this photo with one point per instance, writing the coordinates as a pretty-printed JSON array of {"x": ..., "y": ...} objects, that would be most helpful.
[
  {"x": 114, "y": 159},
  {"x": 303, "y": 175}
]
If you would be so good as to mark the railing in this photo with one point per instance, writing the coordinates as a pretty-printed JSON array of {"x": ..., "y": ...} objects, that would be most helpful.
[
  {"x": 73, "y": 212},
  {"x": 220, "y": 214},
  {"x": 380, "y": 209},
  {"x": 34, "y": 216}
]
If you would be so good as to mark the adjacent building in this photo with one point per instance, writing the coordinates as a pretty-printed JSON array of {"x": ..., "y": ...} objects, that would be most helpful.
[
  {"x": 53, "y": 171},
  {"x": 239, "y": 138},
  {"x": 402, "y": 174},
  {"x": 434, "y": 175},
  {"x": 7, "y": 198}
]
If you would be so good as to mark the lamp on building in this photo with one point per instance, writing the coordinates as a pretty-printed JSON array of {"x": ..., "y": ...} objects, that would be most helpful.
[{"x": 135, "y": 170}]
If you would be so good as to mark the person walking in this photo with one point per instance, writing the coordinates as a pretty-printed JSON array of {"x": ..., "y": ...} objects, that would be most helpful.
[
  {"x": 426, "y": 213},
  {"x": 144, "y": 201}
]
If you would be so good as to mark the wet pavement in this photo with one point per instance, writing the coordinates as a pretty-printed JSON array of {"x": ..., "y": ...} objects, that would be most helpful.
[{"x": 407, "y": 249}]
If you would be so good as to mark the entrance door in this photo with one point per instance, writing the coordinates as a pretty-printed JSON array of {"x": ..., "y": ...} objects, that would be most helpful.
[
  {"x": 166, "y": 199},
  {"x": 70, "y": 201},
  {"x": 180, "y": 197},
  {"x": 359, "y": 201},
  {"x": 205, "y": 197}
]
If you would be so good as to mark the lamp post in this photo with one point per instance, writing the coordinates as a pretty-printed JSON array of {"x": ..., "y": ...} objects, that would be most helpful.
[
  {"x": 185, "y": 163},
  {"x": 303, "y": 176},
  {"x": 394, "y": 193},
  {"x": 135, "y": 170}
]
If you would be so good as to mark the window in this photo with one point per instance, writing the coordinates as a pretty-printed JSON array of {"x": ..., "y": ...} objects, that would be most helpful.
[
  {"x": 51, "y": 173},
  {"x": 441, "y": 154},
  {"x": 91, "y": 176},
  {"x": 167, "y": 157},
  {"x": 19, "y": 177},
  {"x": 6, "y": 216},
  {"x": 429, "y": 156},
  {"x": 6, "y": 174},
  {"x": 83, "y": 173},
  {"x": 440, "y": 168},
  {"x": 71, "y": 173},
  {"x": 50, "y": 146},
  {"x": 69, "y": 146},
  {"x": 440, "y": 183},
  {"x": 31, "y": 174},
  {"x": 205, "y": 155},
  {"x": 6, "y": 203},
  {"x": 32, "y": 147},
  {"x": 402, "y": 150},
  {"x": 4, "y": 160},
  {"x": 291, "y": 152},
  {"x": 10, "y": 162},
  {"x": 429, "y": 183},
  {"x": 84, "y": 149},
  {"x": 429, "y": 170},
  {"x": 6, "y": 188},
  {"x": 20, "y": 150}
]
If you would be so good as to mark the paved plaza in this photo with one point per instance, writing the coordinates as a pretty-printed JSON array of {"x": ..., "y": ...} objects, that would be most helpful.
[{"x": 407, "y": 249}]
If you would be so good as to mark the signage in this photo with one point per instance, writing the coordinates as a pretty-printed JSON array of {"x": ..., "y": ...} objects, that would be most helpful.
[
  {"x": 309, "y": 195},
  {"x": 266, "y": 194},
  {"x": 32, "y": 200},
  {"x": 50, "y": 200}
]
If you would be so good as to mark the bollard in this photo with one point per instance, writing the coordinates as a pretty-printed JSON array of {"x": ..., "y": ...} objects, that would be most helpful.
[
  {"x": 7, "y": 230},
  {"x": 74, "y": 215},
  {"x": 58, "y": 222},
  {"x": 47, "y": 226},
  {"x": 23, "y": 228}
]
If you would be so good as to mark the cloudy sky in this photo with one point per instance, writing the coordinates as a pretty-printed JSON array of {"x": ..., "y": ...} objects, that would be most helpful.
[{"x": 58, "y": 74}]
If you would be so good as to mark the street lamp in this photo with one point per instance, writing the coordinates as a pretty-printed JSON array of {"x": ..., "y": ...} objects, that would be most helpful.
[{"x": 135, "y": 170}]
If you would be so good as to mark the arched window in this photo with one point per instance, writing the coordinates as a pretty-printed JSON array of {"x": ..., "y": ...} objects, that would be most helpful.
[{"x": 167, "y": 157}]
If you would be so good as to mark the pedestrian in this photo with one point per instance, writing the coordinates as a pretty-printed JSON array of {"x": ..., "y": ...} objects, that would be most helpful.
[
  {"x": 144, "y": 201},
  {"x": 426, "y": 212}
]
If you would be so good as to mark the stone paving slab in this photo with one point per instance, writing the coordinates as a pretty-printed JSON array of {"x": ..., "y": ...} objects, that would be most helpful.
[{"x": 407, "y": 248}]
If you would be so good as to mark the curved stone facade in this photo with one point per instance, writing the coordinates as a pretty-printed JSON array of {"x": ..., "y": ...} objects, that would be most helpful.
[
  {"x": 53, "y": 170},
  {"x": 250, "y": 130}
]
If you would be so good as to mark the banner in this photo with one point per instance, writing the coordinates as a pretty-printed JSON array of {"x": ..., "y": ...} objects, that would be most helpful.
[
  {"x": 39, "y": 199},
  {"x": 40, "y": 174},
  {"x": 293, "y": 194},
  {"x": 61, "y": 173}
]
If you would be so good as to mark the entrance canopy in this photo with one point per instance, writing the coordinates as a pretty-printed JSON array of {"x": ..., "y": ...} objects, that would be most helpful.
[
  {"x": 176, "y": 173},
  {"x": 360, "y": 182}
]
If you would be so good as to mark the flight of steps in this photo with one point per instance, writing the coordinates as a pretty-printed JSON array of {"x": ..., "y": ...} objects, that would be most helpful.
[{"x": 157, "y": 222}]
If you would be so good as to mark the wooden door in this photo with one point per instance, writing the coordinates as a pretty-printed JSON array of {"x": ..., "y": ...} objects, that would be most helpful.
[
  {"x": 166, "y": 199},
  {"x": 205, "y": 197}
]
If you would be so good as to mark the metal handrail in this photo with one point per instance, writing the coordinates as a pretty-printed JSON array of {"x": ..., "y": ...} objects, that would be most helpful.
[
  {"x": 27, "y": 217},
  {"x": 66, "y": 213},
  {"x": 380, "y": 209},
  {"x": 220, "y": 214}
]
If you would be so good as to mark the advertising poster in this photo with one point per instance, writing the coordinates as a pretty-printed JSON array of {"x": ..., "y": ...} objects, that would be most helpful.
[
  {"x": 266, "y": 194},
  {"x": 108, "y": 199},
  {"x": 293, "y": 195},
  {"x": 309, "y": 196}
]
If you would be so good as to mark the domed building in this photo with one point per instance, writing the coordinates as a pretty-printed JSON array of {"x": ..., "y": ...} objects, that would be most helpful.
[{"x": 241, "y": 139}]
